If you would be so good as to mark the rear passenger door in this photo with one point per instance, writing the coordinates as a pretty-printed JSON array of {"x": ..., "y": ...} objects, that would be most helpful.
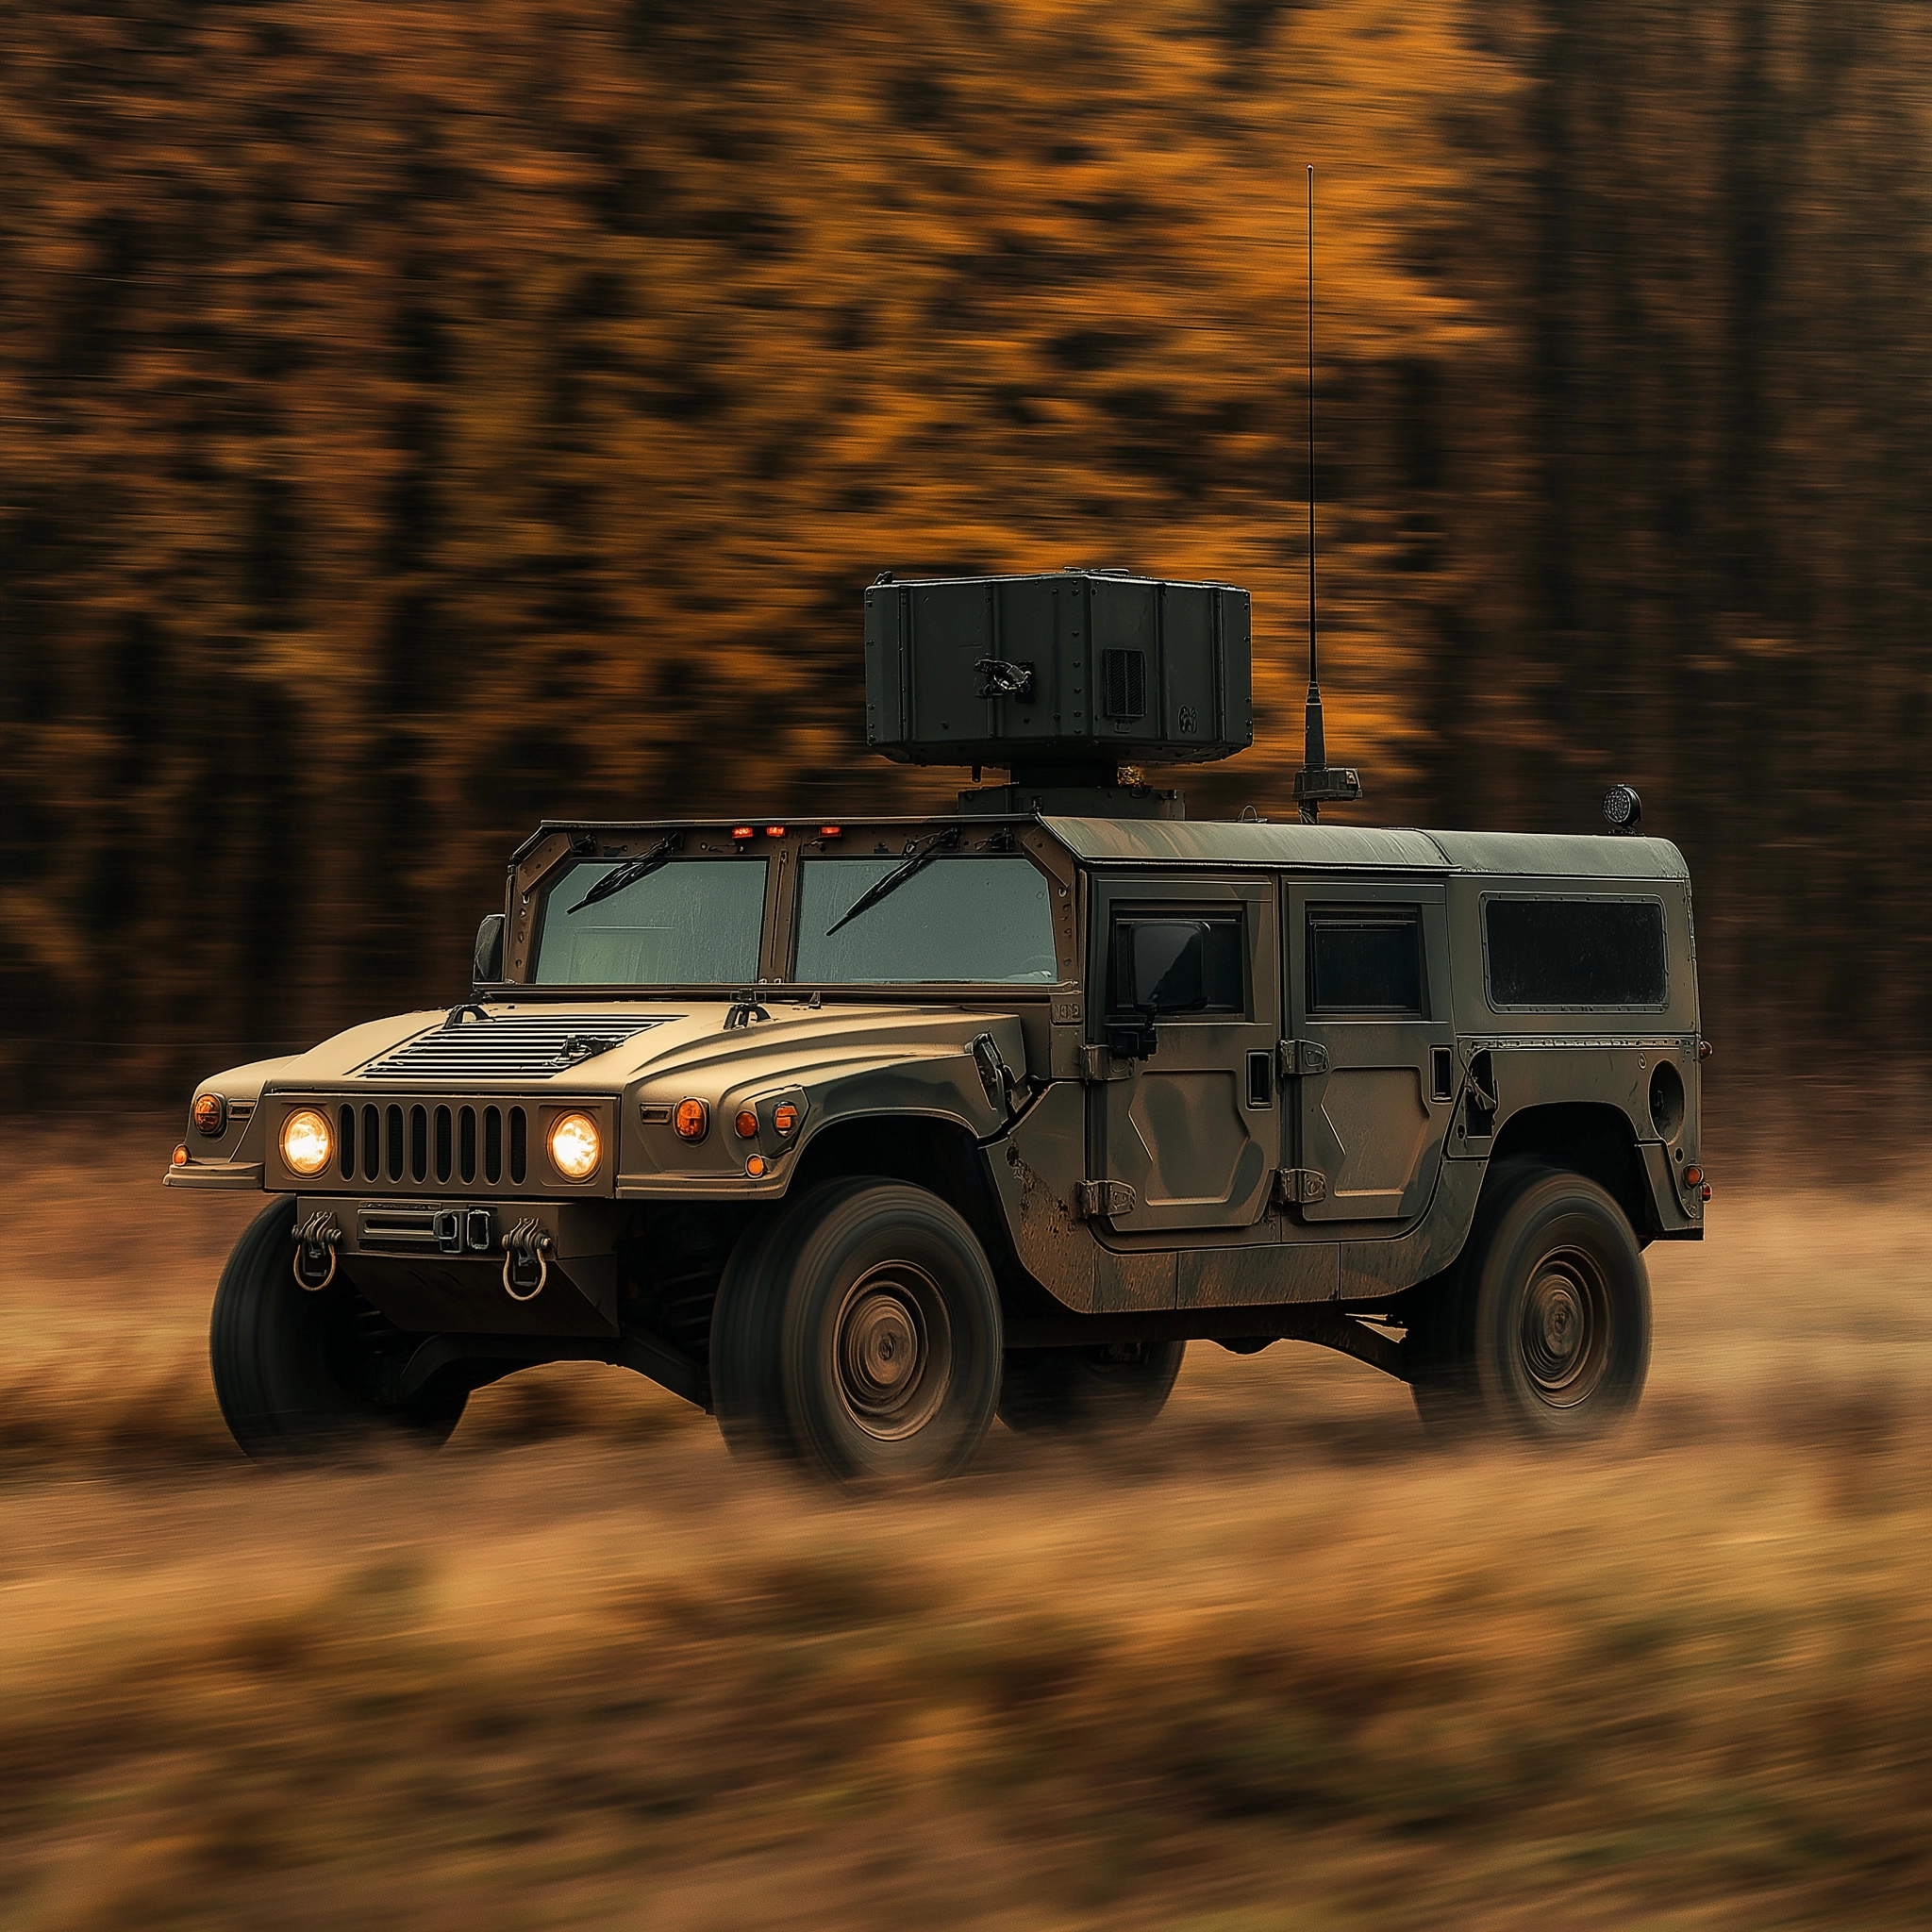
[{"x": 1370, "y": 1060}]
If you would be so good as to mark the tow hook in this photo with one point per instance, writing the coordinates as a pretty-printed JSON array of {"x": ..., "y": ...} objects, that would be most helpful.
[
  {"x": 526, "y": 1247},
  {"x": 315, "y": 1251}
]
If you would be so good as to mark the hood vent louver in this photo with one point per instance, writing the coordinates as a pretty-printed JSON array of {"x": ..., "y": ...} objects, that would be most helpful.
[{"x": 508, "y": 1048}]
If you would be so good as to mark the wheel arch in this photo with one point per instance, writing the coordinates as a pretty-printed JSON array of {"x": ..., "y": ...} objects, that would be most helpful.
[
  {"x": 926, "y": 1150},
  {"x": 1589, "y": 1137}
]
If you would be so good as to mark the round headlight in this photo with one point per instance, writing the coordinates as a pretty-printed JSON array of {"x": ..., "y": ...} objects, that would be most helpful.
[
  {"x": 210, "y": 1114},
  {"x": 306, "y": 1142},
  {"x": 574, "y": 1146}
]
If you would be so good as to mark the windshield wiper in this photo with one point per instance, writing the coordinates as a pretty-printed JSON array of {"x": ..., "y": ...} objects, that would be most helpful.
[
  {"x": 631, "y": 872},
  {"x": 940, "y": 841}
]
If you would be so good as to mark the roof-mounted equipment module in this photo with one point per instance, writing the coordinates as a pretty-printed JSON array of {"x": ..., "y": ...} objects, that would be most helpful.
[{"x": 1061, "y": 677}]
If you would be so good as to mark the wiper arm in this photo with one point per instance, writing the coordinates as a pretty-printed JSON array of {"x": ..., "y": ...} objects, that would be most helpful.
[
  {"x": 631, "y": 872},
  {"x": 940, "y": 841}
]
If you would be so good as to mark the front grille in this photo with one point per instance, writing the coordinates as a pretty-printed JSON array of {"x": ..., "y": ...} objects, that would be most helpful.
[
  {"x": 521, "y": 1048},
  {"x": 433, "y": 1142}
]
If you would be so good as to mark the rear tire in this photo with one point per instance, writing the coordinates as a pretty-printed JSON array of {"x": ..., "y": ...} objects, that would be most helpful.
[
  {"x": 860, "y": 1333},
  {"x": 287, "y": 1361},
  {"x": 1545, "y": 1328},
  {"x": 1088, "y": 1391}
]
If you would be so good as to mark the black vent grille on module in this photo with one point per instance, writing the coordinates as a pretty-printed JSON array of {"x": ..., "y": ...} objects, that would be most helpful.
[
  {"x": 1124, "y": 684},
  {"x": 507, "y": 1049}
]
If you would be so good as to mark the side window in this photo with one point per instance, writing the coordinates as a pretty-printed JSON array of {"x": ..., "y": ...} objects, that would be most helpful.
[
  {"x": 1164, "y": 964},
  {"x": 1367, "y": 961},
  {"x": 1558, "y": 952}
]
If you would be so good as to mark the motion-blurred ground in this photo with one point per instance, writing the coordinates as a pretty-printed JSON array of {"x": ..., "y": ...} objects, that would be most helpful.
[{"x": 1273, "y": 1664}]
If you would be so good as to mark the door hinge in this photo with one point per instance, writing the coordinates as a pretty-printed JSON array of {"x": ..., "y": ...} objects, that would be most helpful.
[
  {"x": 1301, "y": 1057},
  {"x": 1297, "y": 1186},
  {"x": 1100, "y": 1064},
  {"x": 1109, "y": 1198}
]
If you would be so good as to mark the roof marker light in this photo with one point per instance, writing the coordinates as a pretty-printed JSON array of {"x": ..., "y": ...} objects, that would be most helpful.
[
  {"x": 775, "y": 831},
  {"x": 831, "y": 832},
  {"x": 744, "y": 831}
]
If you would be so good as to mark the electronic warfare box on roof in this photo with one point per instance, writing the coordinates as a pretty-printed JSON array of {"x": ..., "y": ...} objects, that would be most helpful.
[{"x": 1075, "y": 671}]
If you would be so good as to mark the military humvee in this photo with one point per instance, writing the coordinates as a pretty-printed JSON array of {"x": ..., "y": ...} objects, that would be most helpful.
[{"x": 857, "y": 1133}]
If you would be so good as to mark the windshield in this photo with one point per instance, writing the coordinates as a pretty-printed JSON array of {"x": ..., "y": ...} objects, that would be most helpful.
[
  {"x": 693, "y": 921},
  {"x": 984, "y": 920}
]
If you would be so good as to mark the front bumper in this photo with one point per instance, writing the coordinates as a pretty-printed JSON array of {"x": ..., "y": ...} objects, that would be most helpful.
[
  {"x": 238, "y": 1176},
  {"x": 438, "y": 1266}
]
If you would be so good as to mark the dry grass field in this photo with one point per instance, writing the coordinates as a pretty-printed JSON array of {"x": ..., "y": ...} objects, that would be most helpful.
[{"x": 1275, "y": 1664}]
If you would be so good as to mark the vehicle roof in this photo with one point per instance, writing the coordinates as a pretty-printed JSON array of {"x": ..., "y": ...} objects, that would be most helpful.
[{"x": 1211, "y": 841}]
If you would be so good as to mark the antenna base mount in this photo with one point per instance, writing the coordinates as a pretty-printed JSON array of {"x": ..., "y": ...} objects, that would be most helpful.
[{"x": 1328, "y": 784}]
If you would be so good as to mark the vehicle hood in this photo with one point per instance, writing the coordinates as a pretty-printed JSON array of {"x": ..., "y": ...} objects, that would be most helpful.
[{"x": 676, "y": 1040}]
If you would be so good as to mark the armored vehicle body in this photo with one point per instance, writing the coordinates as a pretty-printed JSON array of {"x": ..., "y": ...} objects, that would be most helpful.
[{"x": 857, "y": 1133}]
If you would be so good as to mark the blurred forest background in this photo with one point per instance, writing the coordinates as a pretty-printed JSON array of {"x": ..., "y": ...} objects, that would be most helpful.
[{"x": 422, "y": 417}]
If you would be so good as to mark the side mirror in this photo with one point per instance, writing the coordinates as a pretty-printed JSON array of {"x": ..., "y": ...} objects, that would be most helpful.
[
  {"x": 1160, "y": 966},
  {"x": 1157, "y": 970},
  {"x": 487, "y": 964}
]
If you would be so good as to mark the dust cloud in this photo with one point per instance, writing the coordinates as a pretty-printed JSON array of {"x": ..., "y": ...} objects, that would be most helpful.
[{"x": 1276, "y": 1662}]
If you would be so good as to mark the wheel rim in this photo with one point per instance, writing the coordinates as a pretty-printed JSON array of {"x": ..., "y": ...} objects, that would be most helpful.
[
  {"x": 1564, "y": 1338},
  {"x": 894, "y": 1348}
]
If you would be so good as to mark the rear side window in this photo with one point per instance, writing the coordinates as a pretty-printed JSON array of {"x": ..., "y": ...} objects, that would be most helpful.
[
  {"x": 1575, "y": 952},
  {"x": 1367, "y": 960}
]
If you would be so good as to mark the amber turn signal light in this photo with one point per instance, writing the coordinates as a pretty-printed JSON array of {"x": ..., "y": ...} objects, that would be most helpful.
[
  {"x": 692, "y": 1119},
  {"x": 747, "y": 1123},
  {"x": 755, "y": 1166},
  {"x": 181, "y": 1156},
  {"x": 210, "y": 1114},
  {"x": 785, "y": 1118},
  {"x": 1694, "y": 1176}
]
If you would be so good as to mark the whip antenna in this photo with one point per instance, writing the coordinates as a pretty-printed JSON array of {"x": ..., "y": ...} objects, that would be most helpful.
[{"x": 1316, "y": 781}]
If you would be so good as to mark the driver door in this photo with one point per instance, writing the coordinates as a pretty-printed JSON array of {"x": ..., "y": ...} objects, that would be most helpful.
[{"x": 1188, "y": 1120}]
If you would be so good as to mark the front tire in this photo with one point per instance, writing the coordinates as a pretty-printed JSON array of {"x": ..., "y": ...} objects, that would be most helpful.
[
  {"x": 286, "y": 1360},
  {"x": 1545, "y": 1328},
  {"x": 860, "y": 1333},
  {"x": 1088, "y": 1391}
]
